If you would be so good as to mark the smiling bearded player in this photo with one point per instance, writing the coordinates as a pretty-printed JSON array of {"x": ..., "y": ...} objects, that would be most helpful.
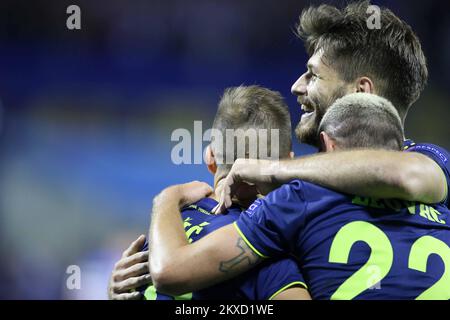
[
  {"x": 348, "y": 57},
  {"x": 347, "y": 246}
]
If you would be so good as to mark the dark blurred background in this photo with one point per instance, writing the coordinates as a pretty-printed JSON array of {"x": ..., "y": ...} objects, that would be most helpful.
[{"x": 86, "y": 116}]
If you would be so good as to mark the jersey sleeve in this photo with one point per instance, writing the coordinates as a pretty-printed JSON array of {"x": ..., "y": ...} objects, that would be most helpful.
[
  {"x": 271, "y": 226},
  {"x": 277, "y": 277},
  {"x": 439, "y": 155}
]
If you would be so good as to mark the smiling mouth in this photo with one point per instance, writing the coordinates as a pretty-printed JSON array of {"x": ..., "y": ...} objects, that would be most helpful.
[
  {"x": 308, "y": 112},
  {"x": 307, "y": 109}
]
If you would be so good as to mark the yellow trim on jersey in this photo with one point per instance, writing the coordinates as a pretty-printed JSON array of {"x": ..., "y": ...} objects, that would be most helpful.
[
  {"x": 150, "y": 293},
  {"x": 287, "y": 287},
  {"x": 248, "y": 242}
]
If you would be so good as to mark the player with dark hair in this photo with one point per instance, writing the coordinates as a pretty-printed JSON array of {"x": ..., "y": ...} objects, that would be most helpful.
[{"x": 348, "y": 57}]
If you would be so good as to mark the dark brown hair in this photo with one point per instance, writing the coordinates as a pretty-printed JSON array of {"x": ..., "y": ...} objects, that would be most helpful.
[{"x": 391, "y": 56}]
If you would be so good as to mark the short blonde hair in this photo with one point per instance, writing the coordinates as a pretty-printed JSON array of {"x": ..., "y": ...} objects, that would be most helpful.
[{"x": 252, "y": 107}]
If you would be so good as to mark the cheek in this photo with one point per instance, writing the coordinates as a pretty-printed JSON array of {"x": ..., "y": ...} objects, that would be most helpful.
[
  {"x": 321, "y": 88},
  {"x": 328, "y": 87},
  {"x": 318, "y": 93},
  {"x": 330, "y": 91},
  {"x": 314, "y": 88}
]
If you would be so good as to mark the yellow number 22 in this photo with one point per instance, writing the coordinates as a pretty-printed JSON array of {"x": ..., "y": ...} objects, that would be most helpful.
[{"x": 382, "y": 256}]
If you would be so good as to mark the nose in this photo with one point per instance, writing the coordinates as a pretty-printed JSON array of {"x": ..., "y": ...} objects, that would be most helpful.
[{"x": 299, "y": 88}]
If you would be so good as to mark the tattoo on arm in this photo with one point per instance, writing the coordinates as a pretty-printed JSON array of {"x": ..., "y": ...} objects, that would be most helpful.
[{"x": 246, "y": 256}]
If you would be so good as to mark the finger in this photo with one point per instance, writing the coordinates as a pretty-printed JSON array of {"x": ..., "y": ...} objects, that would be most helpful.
[
  {"x": 129, "y": 296},
  {"x": 133, "y": 271},
  {"x": 218, "y": 208},
  {"x": 223, "y": 197},
  {"x": 221, "y": 207},
  {"x": 133, "y": 283},
  {"x": 226, "y": 201},
  {"x": 215, "y": 209},
  {"x": 135, "y": 246},
  {"x": 132, "y": 260}
]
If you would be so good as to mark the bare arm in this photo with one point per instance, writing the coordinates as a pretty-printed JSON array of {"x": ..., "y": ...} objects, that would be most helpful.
[
  {"x": 372, "y": 173},
  {"x": 178, "y": 267}
]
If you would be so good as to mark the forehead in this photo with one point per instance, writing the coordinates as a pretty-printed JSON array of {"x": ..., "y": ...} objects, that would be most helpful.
[{"x": 318, "y": 61}]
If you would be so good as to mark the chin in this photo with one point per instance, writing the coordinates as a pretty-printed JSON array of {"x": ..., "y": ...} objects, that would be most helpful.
[{"x": 307, "y": 133}]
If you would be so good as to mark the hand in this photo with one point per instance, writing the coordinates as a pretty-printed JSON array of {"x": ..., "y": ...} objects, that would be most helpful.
[
  {"x": 187, "y": 193},
  {"x": 251, "y": 171},
  {"x": 130, "y": 273},
  {"x": 194, "y": 191}
]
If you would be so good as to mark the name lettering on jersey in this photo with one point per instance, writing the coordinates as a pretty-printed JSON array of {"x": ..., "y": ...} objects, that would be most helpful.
[
  {"x": 425, "y": 211},
  {"x": 189, "y": 228},
  {"x": 431, "y": 149},
  {"x": 200, "y": 209}
]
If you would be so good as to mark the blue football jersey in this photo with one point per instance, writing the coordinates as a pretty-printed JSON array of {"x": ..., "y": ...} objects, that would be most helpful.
[
  {"x": 438, "y": 154},
  {"x": 351, "y": 247},
  {"x": 262, "y": 283}
]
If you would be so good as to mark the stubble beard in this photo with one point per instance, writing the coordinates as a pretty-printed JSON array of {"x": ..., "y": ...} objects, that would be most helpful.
[{"x": 306, "y": 132}]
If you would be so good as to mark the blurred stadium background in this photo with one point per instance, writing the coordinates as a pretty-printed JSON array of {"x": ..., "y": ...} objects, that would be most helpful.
[{"x": 86, "y": 116}]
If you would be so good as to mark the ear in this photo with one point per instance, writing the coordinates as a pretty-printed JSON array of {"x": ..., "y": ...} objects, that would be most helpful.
[
  {"x": 364, "y": 84},
  {"x": 210, "y": 160},
  {"x": 327, "y": 143},
  {"x": 291, "y": 155}
]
